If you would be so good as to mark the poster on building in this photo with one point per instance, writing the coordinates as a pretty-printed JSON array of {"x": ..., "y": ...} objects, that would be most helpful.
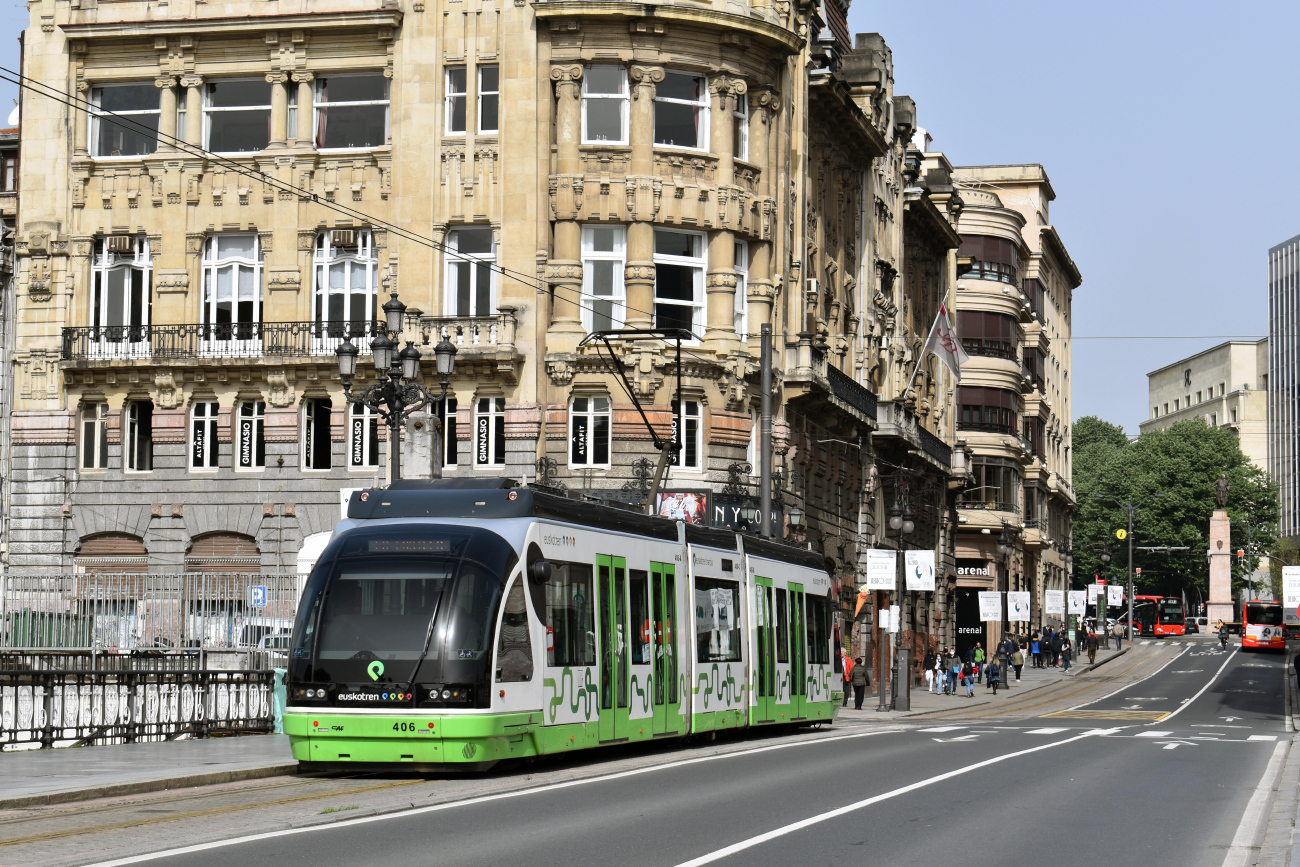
[
  {"x": 1114, "y": 595},
  {"x": 689, "y": 506},
  {"x": 990, "y": 605},
  {"x": 919, "y": 569},
  {"x": 1054, "y": 601},
  {"x": 881, "y": 569},
  {"x": 1078, "y": 602},
  {"x": 1018, "y": 606},
  {"x": 1291, "y": 595}
]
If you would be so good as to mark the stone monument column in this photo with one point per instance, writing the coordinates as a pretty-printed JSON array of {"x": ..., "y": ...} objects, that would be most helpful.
[{"x": 1220, "y": 605}]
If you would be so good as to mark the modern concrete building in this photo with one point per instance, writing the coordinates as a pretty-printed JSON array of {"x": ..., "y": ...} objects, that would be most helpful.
[
  {"x": 1225, "y": 386},
  {"x": 1283, "y": 385},
  {"x": 1015, "y": 286}
]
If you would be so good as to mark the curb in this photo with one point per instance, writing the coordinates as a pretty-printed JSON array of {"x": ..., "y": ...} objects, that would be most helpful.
[
  {"x": 1114, "y": 656},
  {"x": 145, "y": 786}
]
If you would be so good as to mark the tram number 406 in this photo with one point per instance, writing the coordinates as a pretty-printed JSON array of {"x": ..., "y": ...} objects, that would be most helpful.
[{"x": 405, "y": 727}]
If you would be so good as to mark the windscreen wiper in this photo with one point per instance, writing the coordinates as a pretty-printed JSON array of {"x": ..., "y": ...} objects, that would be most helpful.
[{"x": 428, "y": 639}]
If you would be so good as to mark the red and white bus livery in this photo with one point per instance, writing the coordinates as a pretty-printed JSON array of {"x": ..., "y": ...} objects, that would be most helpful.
[{"x": 1262, "y": 627}]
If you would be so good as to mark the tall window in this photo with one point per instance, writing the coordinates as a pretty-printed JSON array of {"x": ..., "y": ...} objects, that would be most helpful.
[
  {"x": 470, "y": 257},
  {"x": 94, "y": 436},
  {"x": 137, "y": 103},
  {"x": 489, "y": 98},
  {"x": 347, "y": 285},
  {"x": 203, "y": 436},
  {"x": 589, "y": 424},
  {"x": 604, "y": 105},
  {"x": 490, "y": 432},
  {"x": 120, "y": 294},
  {"x": 740, "y": 319},
  {"x": 9, "y": 180},
  {"x": 250, "y": 435},
  {"x": 139, "y": 436},
  {"x": 446, "y": 410},
  {"x": 316, "y": 454},
  {"x": 237, "y": 115},
  {"x": 363, "y": 438},
  {"x": 679, "y": 280},
  {"x": 692, "y": 445},
  {"x": 740, "y": 128},
  {"x": 682, "y": 111},
  {"x": 457, "y": 99},
  {"x": 351, "y": 111},
  {"x": 232, "y": 289},
  {"x": 603, "y": 256}
]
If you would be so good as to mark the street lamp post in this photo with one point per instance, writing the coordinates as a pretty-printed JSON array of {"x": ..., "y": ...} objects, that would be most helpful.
[
  {"x": 900, "y": 521},
  {"x": 1130, "y": 507},
  {"x": 1101, "y": 597},
  {"x": 1005, "y": 544},
  {"x": 397, "y": 393}
]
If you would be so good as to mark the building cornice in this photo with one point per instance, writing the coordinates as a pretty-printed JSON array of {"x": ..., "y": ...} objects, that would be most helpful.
[
  {"x": 1050, "y": 239},
  {"x": 790, "y": 42},
  {"x": 250, "y": 24},
  {"x": 833, "y": 95}
]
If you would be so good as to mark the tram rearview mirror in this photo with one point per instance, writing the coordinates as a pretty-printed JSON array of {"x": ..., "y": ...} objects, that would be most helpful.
[{"x": 539, "y": 571}]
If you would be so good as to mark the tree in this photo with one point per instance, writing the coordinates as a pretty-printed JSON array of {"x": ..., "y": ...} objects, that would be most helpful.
[{"x": 1172, "y": 473}]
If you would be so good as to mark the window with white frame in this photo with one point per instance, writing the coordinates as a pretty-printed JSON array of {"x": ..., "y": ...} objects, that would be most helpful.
[
  {"x": 237, "y": 115},
  {"x": 740, "y": 319},
  {"x": 250, "y": 435},
  {"x": 139, "y": 106},
  {"x": 603, "y": 257},
  {"x": 139, "y": 436},
  {"x": 490, "y": 432},
  {"x": 489, "y": 98},
  {"x": 316, "y": 448},
  {"x": 94, "y": 436},
  {"x": 457, "y": 99},
  {"x": 232, "y": 286},
  {"x": 203, "y": 435},
  {"x": 446, "y": 410},
  {"x": 351, "y": 111},
  {"x": 471, "y": 255},
  {"x": 589, "y": 432},
  {"x": 604, "y": 105},
  {"x": 121, "y": 283},
  {"x": 9, "y": 181},
  {"x": 679, "y": 280},
  {"x": 689, "y": 457},
  {"x": 347, "y": 283},
  {"x": 740, "y": 128},
  {"x": 363, "y": 438},
  {"x": 682, "y": 111}
]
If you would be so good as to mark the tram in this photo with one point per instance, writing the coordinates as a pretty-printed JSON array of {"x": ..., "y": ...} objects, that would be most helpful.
[{"x": 452, "y": 624}]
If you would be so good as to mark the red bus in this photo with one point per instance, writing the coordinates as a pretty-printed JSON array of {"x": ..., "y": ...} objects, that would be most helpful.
[
  {"x": 1262, "y": 627},
  {"x": 1159, "y": 615}
]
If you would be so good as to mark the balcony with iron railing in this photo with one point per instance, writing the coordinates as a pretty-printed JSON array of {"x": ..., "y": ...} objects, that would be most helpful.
[
  {"x": 976, "y": 502},
  {"x": 987, "y": 427}
]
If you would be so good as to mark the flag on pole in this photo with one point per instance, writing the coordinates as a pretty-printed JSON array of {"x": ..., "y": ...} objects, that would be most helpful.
[{"x": 943, "y": 342}]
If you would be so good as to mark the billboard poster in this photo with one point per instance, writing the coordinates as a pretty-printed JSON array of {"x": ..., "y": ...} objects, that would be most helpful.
[
  {"x": 1054, "y": 601},
  {"x": 990, "y": 605},
  {"x": 1078, "y": 602},
  {"x": 881, "y": 568},
  {"x": 919, "y": 569},
  {"x": 689, "y": 506},
  {"x": 1114, "y": 595},
  {"x": 1290, "y": 594},
  {"x": 1094, "y": 590},
  {"x": 1018, "y": 606}
]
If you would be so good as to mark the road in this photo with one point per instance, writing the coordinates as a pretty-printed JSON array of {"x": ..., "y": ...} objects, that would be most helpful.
[{"x": 1156, "y": 765}]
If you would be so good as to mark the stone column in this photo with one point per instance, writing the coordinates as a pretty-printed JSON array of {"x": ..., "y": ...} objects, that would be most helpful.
[
  {"x": 1219, "y": 606},
  {"x": 643, "y": 189},
  {"x": 193, "y": 109},
  {"x": 720, "y": 282},
  {"x": 79, "y": 122},
  {"x": 564, "y": 271},
  {"x": 763, "y": 106},
  {"x": 279, "y": 108},
  {"x": 166, "y": 112},
  {"x": 306, "y": 108}
]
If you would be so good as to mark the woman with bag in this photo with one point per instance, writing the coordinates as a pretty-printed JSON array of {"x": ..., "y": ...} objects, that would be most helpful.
[
  {"x": 1018, "y": 662},
  {"x": 968, "y": 678}
]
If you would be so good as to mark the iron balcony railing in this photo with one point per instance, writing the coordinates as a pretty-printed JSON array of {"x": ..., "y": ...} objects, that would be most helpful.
[
  {"x": 987, "y": 427},
  {"x": 226, "y": 340},
  {"x": 935, "y": 447},
  {"x": 851, "y": 392},
  {"x": 986, "y": 505}
]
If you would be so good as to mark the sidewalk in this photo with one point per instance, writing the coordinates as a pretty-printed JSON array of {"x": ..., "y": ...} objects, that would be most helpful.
[
  {"x": 924, "y": 701},
  {"x": 35, "y": 777}
]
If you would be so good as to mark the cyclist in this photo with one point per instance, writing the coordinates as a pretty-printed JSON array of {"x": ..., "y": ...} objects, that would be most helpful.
[{"x": 1223, "y": 634}]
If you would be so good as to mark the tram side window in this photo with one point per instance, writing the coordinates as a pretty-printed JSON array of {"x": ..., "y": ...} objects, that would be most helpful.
[
  {"x": 717, "y": 620},
  {"x": 514, "y": 645},
  {"x": 639, "y": 605},
  {"x": 819, "y": 652},
  {"x": 570, "y": 616},
  {"x": 782, "y": 628}
]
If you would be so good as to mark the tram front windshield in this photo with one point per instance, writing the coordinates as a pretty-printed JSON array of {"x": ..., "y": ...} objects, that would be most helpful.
[{"x": 370, "y": 611}]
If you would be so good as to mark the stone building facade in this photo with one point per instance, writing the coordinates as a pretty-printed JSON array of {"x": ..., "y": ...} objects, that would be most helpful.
[
  {"x": 1014, "y": 289},
  {"x": 520, "y": 175}
]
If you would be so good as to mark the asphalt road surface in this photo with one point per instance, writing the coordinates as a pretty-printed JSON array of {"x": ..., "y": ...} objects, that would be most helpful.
[{"x": 1165, "y": 769}]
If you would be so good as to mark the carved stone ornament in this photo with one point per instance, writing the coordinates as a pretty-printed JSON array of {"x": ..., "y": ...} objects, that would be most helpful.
[
  {"x": 164, "y": 82},
  {"x": 564, "y": 273},
  {"x": 303, "y": 77},
  {"x": 306, "y": 239},
  {"x": 171, "y": 281},
  {"x": 38, "y": 289},
  {"x": 281, "y": 394},
  {"x": 560, "y": 371},
  {"x": 169, "y": 393},
  {"x": 276, "y": 78},
  {"x": 570, "y": 73},
  {"x": 639, "y": 273},
  {"x": 284, "y": 280},
  {"x": 645, "y": 78},
  {"x": 191, "y": 81},
  {"x": 720, "y": 280}
]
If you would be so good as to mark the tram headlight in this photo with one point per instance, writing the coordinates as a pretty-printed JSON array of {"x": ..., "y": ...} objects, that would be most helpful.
[{"x": 446, "y": 694}]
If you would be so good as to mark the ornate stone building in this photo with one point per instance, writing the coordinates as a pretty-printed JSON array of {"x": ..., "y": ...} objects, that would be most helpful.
[{"x": 521, "y": 175}]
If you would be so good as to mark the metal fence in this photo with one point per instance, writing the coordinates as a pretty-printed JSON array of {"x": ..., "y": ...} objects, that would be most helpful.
[{"x": 73, "y": 708}]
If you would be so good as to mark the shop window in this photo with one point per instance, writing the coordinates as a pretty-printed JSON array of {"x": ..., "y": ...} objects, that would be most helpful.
[
  {"x": 692, "y": 446},
  {"x": 604, "y": 105},
  {"x": 490, "y": 432},
  {"x": 446, "y": 410},
  {"x": 603, "y": 259},
  {"x": 238, "y": 115},
  {"x": 589, "y": 431},
  {"x": 363, "y": 438},
  {"x": 138, "y": 104},
  {"x": 351, "y": 111},
  {"x": 682, "y": 111},
  {"x": 203, "y": 436},
  {"x": 316, "y": 448}
]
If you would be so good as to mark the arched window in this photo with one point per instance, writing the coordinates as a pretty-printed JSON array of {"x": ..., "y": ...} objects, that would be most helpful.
[
  {"x": 111, "y": 552},
  {"x": 223, "y": 552}
]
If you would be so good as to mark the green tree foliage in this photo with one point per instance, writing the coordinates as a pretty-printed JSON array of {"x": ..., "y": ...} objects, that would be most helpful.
[{"x": 1172, "y": 474}]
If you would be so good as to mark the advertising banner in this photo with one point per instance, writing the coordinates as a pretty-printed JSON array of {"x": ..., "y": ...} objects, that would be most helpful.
[
  {"x": 1114, "y": 595},
  {"x": 990, "y": 605},
  {"x": 919, "y": 569},
  {"x": 1094, "y": 590},
  {"x": 1078, "y": 602},
  {"x": 1054, "y": 602},
  {"x": 1290, "y": 594},
  {"x": 881, "y": 568},
  {"x": 1018, "y": 605}
]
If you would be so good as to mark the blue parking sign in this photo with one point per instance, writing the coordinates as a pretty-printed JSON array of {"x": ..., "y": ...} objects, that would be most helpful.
[{"x": 257, "y": 596}]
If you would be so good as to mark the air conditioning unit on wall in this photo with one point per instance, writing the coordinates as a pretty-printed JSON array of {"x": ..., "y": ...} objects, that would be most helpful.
[
  {"x": 119, "y": 244},
  {"x": 343, "y": 238}
]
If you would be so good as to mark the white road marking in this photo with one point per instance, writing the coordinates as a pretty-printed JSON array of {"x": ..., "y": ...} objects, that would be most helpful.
[
  {"x": 950, "y": 740},
  {"x": 1152, "y": 734},
  {"x": 726, "y": 851},
  {"x": 1201, "y": 692},
  {"x": 945, "y": 729},
  {"x": 1176, "y": 746},
  {"x": 1134, "y": 683},
  {"x": 483, "y": 799},
  {"x": 1262, "y": 738},
  {"x": 1046, "y": 731},
  {"x": 1242, "y": 850}
]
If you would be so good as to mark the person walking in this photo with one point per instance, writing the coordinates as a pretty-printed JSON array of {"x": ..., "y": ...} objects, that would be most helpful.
[
  {"x": 1018, "y": 662},
  {"x": 1056, "y": 649},
  {"x": 1036, "y": 650},
  {"x": 848, "y": 678},
  {"x": 978, "y": 659},
  {"x": 1066, "y": 651},
  {"x": 928, "y": 666},
  {"x": 968, "y": 678},
  {"x": 1093, "y": 645},
  {"x": 860, "y": 681},
  {"x": 1119, "y": 636},
  {"x": 993, "y": 676},
  {"x": 944, "y": 669}
]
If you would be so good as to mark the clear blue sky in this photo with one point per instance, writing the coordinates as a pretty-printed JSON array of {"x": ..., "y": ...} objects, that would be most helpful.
[{"x": 1169, "y": 131}]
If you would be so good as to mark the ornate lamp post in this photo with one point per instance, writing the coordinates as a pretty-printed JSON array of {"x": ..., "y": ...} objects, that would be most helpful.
[
  {"x": 900, "y": 521},
  {"x": 397, "y": 394}
]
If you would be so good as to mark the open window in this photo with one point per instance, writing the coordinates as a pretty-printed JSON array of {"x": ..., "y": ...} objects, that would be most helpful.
[
  {"x": 316, "y": 446},
  {"x": 139, "y": 436}
]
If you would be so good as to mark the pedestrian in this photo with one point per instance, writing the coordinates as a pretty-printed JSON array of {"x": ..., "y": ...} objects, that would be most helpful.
[
  {"x": 968, "y": 678},
  {"x": 1056, "y": 649},
  {"x": 1093, "y": 644},
  {"x": 1035, "y": 649},
  {"x": 956, "y": 674},
  {"x": 1296, "y": 664},
  {"x": 1018, "y": 661},
  {"x": 928, "y": 665},
  {"x": 978, "y": 660},
  {"x": 860, "y": 681},
  {"x": 943, "y": 663},
  {"x": 1066, "y": 650},
  {"x": 848, "y": 678},
  {"x": 993, "y": 676},
  {"x": 1119, "y": 635}
]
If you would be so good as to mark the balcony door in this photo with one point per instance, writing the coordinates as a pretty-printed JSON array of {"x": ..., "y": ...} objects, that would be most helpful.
[
  {"x": 232, "y": 296},
  {"x": 347, "y": 288},
  {"x": 123, "y": 277}
]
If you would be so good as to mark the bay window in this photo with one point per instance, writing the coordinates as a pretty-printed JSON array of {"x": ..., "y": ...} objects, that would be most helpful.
[
  {"x": 682, "y": 111},
  {"x": 351, "y": 111},
  {"x": 679, "y": 280},
  {"x": 995, "y": 483},
  {"x": 603, "y": 258},
  {"x": 740, "y": 128},
  {"x": 137, "y": 103},
  {"x": 989, "y": 334},
  {"x": 990, "y": 258},
  {"x": 237, "y": 115},
  {"x": 589, "y": 432},
  {"x": 471, "y": 255},
  {"x": 604, "y": 105},
  {"x": 740, "y": 318},
  {"x": 987, "y": 409}
]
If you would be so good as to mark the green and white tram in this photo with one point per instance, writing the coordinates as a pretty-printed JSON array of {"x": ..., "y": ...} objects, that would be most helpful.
[{"x": 453, "y": 623}]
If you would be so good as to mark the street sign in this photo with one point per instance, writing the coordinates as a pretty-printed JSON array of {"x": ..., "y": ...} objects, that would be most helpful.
[
  {"x": 1121, "y": 535},
  {"x": 257, "y": 596}
]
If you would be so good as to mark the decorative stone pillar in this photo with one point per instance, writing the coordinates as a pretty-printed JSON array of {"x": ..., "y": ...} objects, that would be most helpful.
[
  {"x": 643, "y": 190},
  {"x": 720, "y": 282},
  {"x": 279, "y": 108},
  {"x": 166, "y": 112},
  {"x": 764, "y": 104},
  {"x": 80, "y": 139},
  {"x": 306, "y": 108},
  {"x": 193, "y": 85},
  {"x": 564, "y": 270}
]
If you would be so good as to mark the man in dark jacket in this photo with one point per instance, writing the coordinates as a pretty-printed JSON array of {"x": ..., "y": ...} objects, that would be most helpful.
[
  {"x": 860, "y": 681},
  {"x": 1093, "y": 644}
]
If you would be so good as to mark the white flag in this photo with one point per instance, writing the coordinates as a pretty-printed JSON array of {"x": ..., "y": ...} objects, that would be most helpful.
[
  {"x": 1054, "y": 601},
  {"x": 919, "y": 566},
  {"x": 1018, "y": 605},
  {"x": 944, "y": 343}
]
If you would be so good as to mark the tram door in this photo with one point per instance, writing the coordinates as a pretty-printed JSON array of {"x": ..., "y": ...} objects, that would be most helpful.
[
  {"x": 663, "y": 601},
  {"x": 765, "y": 658},
  {"x": 611, "y": 596},
  {"x": 798, "y": 652}
]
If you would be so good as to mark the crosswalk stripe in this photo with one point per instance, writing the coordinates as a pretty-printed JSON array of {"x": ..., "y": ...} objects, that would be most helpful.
[
  {"x": 1262, "y": 738},
  {"x": 944, "y": 729},
  {"x": 1152, "y": 734},
  {"x": 1045, "y": 731}
]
